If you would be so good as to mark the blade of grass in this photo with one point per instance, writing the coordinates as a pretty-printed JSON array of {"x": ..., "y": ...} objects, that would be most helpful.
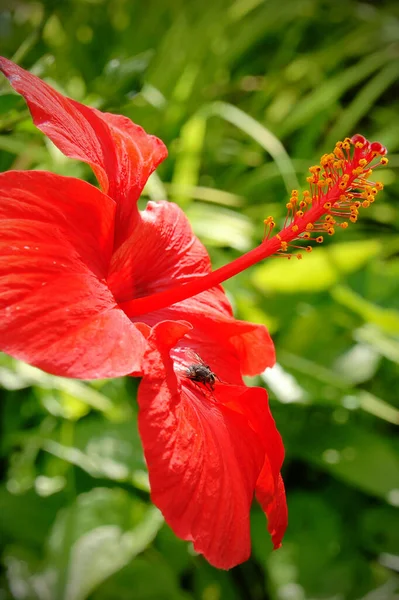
[
  {"x": 363, "y": 102},
  {"x": 260, "y": 134}
]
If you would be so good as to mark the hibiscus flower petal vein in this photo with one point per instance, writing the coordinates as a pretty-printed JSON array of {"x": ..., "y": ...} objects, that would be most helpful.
[
  {"x": 121, "y": 153},
  {"x": 56, "y": 236}
]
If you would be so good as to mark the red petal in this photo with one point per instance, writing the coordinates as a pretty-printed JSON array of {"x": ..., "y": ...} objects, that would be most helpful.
[
  {"x": 162, "y": 253},
  {"x": 275, "y": 507},
  {"x": 121, "y": 153},
  {"x": 233, "y": 347},
  {"x": 203, "y": 458},
  {"x": 57, "y": 312},
  {"x": 269, "y": 487},
  {"x": 253, "y": 403}
]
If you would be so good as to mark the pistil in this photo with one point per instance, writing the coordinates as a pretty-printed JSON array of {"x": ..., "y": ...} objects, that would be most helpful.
[{"x": 339, "y": 187}]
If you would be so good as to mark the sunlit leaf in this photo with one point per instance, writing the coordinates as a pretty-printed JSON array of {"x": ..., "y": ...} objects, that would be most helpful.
[
  {"x": 97, "y": 536},
  {"x": 319, "y": 270}
]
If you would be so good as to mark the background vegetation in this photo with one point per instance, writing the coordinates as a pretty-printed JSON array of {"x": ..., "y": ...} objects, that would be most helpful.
[{"x": 246, "y": 94}]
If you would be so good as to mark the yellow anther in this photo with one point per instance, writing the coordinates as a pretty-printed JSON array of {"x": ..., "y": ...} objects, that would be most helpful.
[
  {"x": 306, "y": 236},
  {"x": 359, "y": 145},
  {"x": 329, "y": 181},
  {"x": 268, "y": 223},
  {"x": 353, "y": 218},
  {"x": 362, "y": 161},
  {"x": 299, "y": 256},
  {"x": 288, "y": 205},
  {"x": 319, "y": 239},
  {"x": 299, "y": 213},
  {"x": 309, "y": 226},
  {"x": 342, "y": 185},
  {"x": 311, "y": 179},
  {"x": 329, "y": 219},
  {"x": 366, "y": 204},
  {"x": 331, "y": 231},
  {"x": 295, "y": 228},
  {"x": 309, "y": 248},
  {"x": 315, "y": 169},
  {"x": 327, "y": 205},
  {"x": 371, "y": 197},
  {"x": 358, "y": 171},
  {"x": 379, "y": 185},
  {"x": 284, "y": 246},
  {"x": 344, "y": 225},
  {"x": 294, "y": 193},
  {"x": 346, "y": 145},
  {"x": 384, "y": 161},
  {"x": 278, "y": 236},
  {"x": 302, "y": 204}
]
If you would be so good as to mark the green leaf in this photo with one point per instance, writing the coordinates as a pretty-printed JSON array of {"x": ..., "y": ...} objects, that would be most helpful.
[
  {"x": 69, "y": 398},
  {"x": 314, "y": 562},
  {"x": 27, "y": 518},
  {"x": 260, "y": 134},
  {"x": 10, "y": 102},
  {"x": 188, "y": 161},
  {"x": 221, "y": 226},
  {"x": 382, "y": 343},
  {"x": 102, "y": 449},
  {"x": 380, "y": 529},
  {"x": 149, "y": 579},
  {"x": 386, "y": 319},
  {"x": 97, "y": 536},
  {"x": 319, "y": 270},
  {"x": 328, "y": 93},
  {"x": 362, "y": 458}
]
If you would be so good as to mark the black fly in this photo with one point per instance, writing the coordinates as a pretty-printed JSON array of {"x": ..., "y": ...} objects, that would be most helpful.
[{"x": 200, "y": 372}]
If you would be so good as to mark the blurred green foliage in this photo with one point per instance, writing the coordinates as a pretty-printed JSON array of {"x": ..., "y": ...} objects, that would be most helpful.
[{"x": 246, "y": 94}]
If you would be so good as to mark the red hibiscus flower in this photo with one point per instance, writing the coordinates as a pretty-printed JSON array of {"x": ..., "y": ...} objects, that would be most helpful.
[{"x": 92, "y": 287}]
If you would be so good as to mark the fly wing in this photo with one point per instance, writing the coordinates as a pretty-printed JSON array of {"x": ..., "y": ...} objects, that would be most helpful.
[{"x": 187, "y": 357}]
